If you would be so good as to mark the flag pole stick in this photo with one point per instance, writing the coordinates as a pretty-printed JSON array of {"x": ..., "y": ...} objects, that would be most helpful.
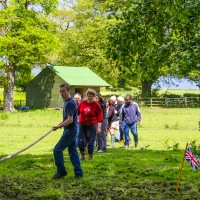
[{"x": 180, "y": 172}]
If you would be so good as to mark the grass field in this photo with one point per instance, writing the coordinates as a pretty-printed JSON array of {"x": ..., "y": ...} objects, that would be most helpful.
[
  {"x": 135, "y": 92},
  {"x": 147, "y": 172},
  {"x": 17, "y": 95}
]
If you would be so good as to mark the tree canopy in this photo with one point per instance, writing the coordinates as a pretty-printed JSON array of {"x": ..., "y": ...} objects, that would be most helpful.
[
  {"x": 84, "y": 38},
  {"x": 127, "y": 43},
  {"x": 156, "y": 38},
  {"x": 26, "y": 40}
]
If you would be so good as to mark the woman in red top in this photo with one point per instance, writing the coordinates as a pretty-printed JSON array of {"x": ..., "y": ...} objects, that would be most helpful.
[{"x": 90, "y": 119}]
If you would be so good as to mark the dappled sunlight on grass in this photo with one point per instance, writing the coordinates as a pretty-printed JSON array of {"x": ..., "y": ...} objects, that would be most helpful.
[{"x": 149, "y": 171}]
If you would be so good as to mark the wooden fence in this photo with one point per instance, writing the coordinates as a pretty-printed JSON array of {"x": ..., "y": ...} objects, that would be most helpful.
[
  {"x": 17, "y": 103},
  {"x": 150, "y": 102},
  {"x": 170, "y": 102}
]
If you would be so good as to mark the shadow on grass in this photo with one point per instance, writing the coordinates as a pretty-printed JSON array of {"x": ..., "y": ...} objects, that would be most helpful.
[{"x": 116, "y": 174}]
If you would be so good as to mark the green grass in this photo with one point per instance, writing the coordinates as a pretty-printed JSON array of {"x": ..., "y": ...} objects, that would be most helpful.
[
  {"x": 18, "y": 95},
  {"x": 148, "y": 172},
  {"x": 107, "y": 93}
]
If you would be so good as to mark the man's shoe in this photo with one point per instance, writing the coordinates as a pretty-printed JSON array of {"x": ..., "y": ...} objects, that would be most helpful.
[
  {"x": 126, "y": 147},
  {"x": 78, "y": 175},
  {"x": 59, "y": 175},
  {"x": 101, "y": 151}
]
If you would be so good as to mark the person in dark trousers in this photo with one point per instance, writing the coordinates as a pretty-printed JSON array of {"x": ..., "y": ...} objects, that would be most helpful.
[
  {"x": 120, "y": 103},
  {"x": 90, "y": 119},
  {"x": 101, "y": 137},
  {"x": 129, "y": 119},
  {"x": 113, "y": 122},
  {"x": 68, "y": 139},
  {"x": 77, "y": 99}
]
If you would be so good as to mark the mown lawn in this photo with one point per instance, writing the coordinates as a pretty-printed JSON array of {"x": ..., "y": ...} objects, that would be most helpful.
[{"x": 148, "y": 172}]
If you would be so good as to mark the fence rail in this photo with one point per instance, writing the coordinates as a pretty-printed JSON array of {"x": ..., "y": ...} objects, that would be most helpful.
[
  {"x": 160, "y": 102},
  {"x": 170, "y": 102},
  {"x": 17, "y": 103}
]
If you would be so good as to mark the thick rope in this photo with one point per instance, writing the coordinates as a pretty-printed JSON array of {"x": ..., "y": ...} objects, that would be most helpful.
[{"x": 18, "y": 152}]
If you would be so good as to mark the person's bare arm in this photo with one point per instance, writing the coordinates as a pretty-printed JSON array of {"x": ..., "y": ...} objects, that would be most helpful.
[
  {"x": 99, "y": 127},
  {"x": 68, "y": 121}
]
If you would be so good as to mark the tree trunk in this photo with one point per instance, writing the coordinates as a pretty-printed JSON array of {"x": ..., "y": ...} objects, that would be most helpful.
[
  {"x": 9, "y": 91},
  {"x": 146, "y": 88}
]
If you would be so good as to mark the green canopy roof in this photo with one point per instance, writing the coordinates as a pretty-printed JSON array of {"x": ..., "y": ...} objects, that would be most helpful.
[{"x": 79, "y": 76}]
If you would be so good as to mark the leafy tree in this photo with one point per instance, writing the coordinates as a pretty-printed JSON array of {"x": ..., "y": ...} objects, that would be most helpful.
[
  {"x": 26, "y": 40},
  {"x": 155, "y": 38},
  {"x": 23, "y": 79},
  {"x": 83, "y": 34}
]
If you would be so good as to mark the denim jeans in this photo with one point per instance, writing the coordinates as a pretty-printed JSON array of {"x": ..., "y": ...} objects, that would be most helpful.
[
  {"x": 86, "y": 138},
  {"x": 68, "y": 139},
  {"x": 126, "y": 127},
  {"x": 77, "y": 135}
]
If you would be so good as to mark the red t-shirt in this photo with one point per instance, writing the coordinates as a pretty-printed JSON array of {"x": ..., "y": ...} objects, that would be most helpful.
[{"x": 89, "y": 113}]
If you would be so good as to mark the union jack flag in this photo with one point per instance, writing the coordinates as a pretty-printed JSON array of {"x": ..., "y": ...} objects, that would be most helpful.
[{"x": 192, "y": 159}]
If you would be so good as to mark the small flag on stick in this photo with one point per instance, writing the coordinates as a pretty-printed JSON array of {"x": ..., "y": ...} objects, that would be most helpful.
[{"x": 192, "y": 159}]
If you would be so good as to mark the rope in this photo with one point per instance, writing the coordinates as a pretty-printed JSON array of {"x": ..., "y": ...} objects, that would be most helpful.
[{"x": 18, "y": 152}]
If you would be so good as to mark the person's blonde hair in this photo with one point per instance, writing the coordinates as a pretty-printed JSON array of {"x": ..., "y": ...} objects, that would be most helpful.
[{"x": 91, "y": 91}]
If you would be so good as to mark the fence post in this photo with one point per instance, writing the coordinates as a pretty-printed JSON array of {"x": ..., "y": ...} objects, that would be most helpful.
[
  {"x": 166, "y": 101},
  {"x": 185, "y": 101},
  {"x": 20, "y": 103},
  {"x": 151, "y": 102}
]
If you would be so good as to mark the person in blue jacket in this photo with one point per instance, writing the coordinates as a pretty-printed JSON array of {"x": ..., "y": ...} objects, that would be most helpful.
[{"x": 129, "y": 119}]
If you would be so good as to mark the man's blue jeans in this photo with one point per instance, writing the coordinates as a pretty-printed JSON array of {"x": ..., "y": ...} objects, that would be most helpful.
[
  {"x": 68, "y": 139},
  {"x": 126, "y": 127}
]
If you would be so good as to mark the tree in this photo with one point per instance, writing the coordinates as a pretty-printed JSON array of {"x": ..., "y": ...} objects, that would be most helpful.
[
  {"x": 156, "y": 38},
  {"x": 83, "y": 34},
  {"x": 26, "y": 40}
]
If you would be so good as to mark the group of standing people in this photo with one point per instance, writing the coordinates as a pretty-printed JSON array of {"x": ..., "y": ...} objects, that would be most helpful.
[{"x": 89, "y": 121}]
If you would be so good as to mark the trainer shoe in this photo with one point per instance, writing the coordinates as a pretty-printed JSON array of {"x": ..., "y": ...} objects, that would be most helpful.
[
  {"x": 101, "y": 151},
  {"x": 59, "y": 175}
]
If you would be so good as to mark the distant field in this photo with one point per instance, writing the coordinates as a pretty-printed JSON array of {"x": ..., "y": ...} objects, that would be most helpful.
[
  {"x": 135, "y": 92},
  {"x": 17, "y": 95},
  {"x": 179, "y": 91}
]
